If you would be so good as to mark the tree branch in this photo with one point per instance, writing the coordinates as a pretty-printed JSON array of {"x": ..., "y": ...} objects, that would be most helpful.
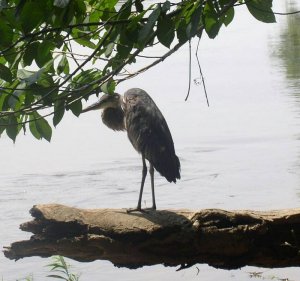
[{"x": 220, "y": 238}]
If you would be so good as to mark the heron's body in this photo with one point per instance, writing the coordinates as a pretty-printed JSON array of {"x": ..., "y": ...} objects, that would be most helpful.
[{"x": 147, "y": 130}]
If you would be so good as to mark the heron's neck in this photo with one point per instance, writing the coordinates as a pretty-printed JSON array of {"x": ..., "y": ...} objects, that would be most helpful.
[{"x": 113, "y": 118}]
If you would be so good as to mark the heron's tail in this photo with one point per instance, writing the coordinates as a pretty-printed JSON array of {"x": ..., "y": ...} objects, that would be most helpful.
[
  {"x": 170, "y": 168},
  {"x": 176, "y": 170}
]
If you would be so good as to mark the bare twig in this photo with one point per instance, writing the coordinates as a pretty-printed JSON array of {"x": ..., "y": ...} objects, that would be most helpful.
[
  {"x": 190, "y": 70},
  {"x": 200, "y": 70}
]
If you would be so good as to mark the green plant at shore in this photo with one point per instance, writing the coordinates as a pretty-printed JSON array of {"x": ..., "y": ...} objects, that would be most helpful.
[
  {"x": 61, "y": 270},
  {"x": 28, "y": 278}
]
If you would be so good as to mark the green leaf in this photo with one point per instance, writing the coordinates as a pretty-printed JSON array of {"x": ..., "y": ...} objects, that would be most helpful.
[
  {"x": 211, "y": 21},
  {"x": 63, "y": 66},
  {"x": 5, "y": 73},
  {"x": 212, "y": 27},
  {"x": 6, "y": 33},
  {"x": 165, "y": 30},
  {"x": 80, "y": 7},
  {"x": 124, "y": 50},
  {"x": 108, "y": 87},
  {"x": 46, "y": 80},
  {"x": 29, "y": 98},
  {"x": 148, "y": 27},
  {"x": 39, "y": 127},
  {"x": 68, "y": 14},
  {"x": 132, "y": 29},
  {"x": 3, "y": 102},
  {"x": 59, "y": 111},
  {"x": 125, "y": 10},
  {"x": 76, "y": 107},
  {"x": 19, "y": 8},
  {"x": 110, "y": 4},
  {"x": 44, "y": 54},
  {"x": 30, "y": 53},
  {"x": 166, "y": 6},
  {"x": 138, "y": 6},
  {"x": 61, "y": 3},
  {"x": 131, "y": 32},
  {"x": 10, "y": 55},
  {"x": 2, "y": 59},
  {"x": 43, "y": 127},
  {"x": 57, "y": 276},
  {"x": 85, "y": 42},
  {"x": 85, "y": 77},
  {"x": 15, "y": 64},
  {"x": 14, "y": 98},
  {"x": 12, "y": 127},
  {"x": 228, "y": 16},
  {"x": 109, "y": 48},
  {"x": 31, "y": 15},
  {"x": 261, "y": 10},
  {"x": 192, "y": 27},
  {"x": 3, "y": 124},
  {"x": 95, "y": 16},
  {"x": 181, "y": 32},
  {"x": 62, "y": 16},
  {"x": 33, "y": 129}
]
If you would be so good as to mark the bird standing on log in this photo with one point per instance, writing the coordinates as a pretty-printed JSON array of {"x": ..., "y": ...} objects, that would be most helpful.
[{"x": 147, "y": 131}]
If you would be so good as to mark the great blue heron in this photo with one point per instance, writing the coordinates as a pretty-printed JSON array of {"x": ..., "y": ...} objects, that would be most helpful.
[{"x": 147, "y": 130}]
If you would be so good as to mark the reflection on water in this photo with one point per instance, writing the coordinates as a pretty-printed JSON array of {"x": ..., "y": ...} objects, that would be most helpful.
[
  {"x": 286, "y": 50},
  {"x": 289, "y": 45},
  {"x": 241, "y": 153}
]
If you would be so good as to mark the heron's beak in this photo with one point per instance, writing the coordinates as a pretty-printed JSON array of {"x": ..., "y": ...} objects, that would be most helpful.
[{"x": 94, "y": 106}]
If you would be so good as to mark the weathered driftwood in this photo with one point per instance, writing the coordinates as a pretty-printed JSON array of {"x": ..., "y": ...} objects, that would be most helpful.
[{"x": 219, "y": 238}]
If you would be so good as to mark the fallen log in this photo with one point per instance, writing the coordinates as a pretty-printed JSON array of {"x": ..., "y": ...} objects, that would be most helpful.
[{"x": 223, "y": 239}]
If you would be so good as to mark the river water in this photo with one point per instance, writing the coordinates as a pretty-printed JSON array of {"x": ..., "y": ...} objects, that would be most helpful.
[{"x": 242, "y": 152}]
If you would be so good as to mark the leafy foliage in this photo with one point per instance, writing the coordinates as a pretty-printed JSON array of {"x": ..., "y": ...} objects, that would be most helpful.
[
  {"x": 261, "y": 10},
  {"x": 42, "y": 73}
]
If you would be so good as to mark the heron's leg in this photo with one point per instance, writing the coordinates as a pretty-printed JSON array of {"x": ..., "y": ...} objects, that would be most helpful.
[
  {"x": 144, "y": 174},
  {"x": 142, "y": 183},
  {"x": 152, "y": 186}
]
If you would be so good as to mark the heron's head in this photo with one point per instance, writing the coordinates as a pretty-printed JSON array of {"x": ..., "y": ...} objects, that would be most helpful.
[{"x": 106, "y": 101}]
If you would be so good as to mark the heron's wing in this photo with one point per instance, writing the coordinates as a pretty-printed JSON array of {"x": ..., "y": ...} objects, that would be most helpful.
[{"x": 149, "y": 133}]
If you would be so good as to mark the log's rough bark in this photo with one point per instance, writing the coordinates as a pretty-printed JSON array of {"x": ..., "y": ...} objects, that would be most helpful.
[{"x": 223, "y": 239}]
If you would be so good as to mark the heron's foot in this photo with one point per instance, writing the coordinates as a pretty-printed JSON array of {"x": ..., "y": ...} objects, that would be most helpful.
[{"x": 137, "y": 209}]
